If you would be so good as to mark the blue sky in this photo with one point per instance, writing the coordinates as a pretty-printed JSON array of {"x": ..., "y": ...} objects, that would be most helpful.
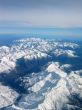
[{"x": 41, "y": 13}]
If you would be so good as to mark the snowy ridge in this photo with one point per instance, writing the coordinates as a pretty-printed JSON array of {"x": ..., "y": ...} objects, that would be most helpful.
[
  {"x": 50, "y": 87},
  {"x": 7, "y": 96},
  {"x": 32, "y": 48},
  {"x": 52, "y": 91}
]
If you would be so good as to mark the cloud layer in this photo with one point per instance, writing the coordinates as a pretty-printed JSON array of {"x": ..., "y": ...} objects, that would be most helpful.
[{"x": 65, "y": 13}]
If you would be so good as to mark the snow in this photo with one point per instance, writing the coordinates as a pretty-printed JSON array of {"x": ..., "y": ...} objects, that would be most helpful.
[
  {"x": 32, "y": 48},
  {"x": 69, "y": 53},
  {"x": 6, "y": 64},
  {"x": 52, "y": 91},
  {"x": 50, "y": 88},
  {"x": 54, "y": 68},
  {"x": 7, "y": 96},
  {"x": 55, "y": 99},
  {"x": 65, "y": 66}
]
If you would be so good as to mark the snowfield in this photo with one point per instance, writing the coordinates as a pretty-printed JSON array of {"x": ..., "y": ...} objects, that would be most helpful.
[
  {"x": 7, "y": 96},
  {"x": 34, "y": 76}
]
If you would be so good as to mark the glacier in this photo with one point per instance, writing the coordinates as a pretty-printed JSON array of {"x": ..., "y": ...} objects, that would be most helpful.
[{"x": 40, "y": 74}]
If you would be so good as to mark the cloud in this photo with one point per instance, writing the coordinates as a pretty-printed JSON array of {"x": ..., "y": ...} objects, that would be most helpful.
[{"x": 43, "y": 12}]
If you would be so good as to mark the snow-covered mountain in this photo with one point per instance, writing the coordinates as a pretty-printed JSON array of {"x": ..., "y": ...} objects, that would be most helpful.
[{"x": 38, "y": 74}]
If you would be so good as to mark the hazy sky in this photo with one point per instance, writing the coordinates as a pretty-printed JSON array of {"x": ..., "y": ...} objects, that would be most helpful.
[{"x": 54, "y": 13}]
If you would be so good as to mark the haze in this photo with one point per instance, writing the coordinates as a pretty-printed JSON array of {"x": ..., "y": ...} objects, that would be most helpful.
[{"x": 41, "y": 13}]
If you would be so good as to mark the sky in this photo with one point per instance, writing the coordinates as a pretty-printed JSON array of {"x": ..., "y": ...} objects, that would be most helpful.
[{"x": 40, "y": 13}]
